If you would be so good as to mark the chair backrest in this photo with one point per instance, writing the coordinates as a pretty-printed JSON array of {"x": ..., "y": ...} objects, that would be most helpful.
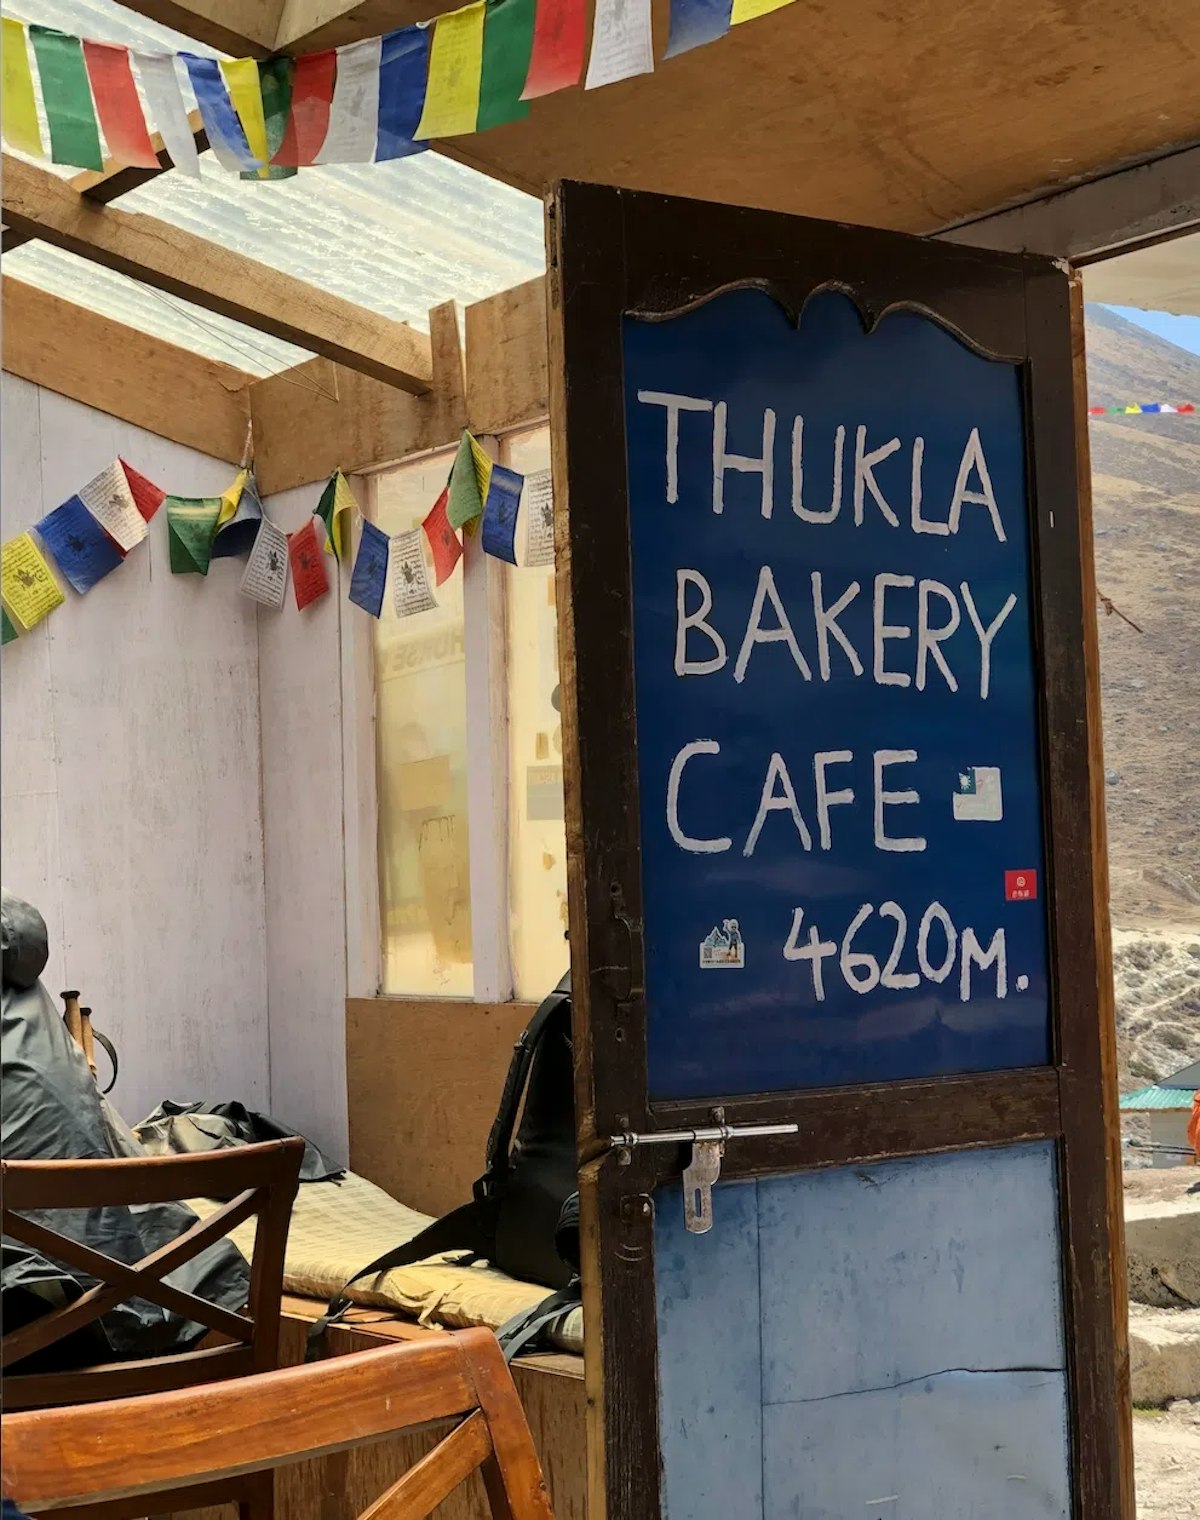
[
  {"x": 258, "y": 1181},
  {"x": 58, "y": 1458}
]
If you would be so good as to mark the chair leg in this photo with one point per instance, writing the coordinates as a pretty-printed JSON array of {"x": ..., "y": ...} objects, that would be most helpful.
[
  {"x": 258, "y": 1497},
  {"x": 512, "y": 1475}
]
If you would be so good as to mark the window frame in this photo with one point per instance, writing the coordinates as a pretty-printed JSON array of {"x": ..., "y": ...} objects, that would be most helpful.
[{"x": 485, "y": 645}]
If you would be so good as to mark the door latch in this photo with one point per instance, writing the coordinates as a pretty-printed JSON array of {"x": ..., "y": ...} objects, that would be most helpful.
[{"x": 703, "y": 1170}]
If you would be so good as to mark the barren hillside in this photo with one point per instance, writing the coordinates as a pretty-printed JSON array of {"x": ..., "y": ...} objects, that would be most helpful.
[{"x": 1146, "y": 488}]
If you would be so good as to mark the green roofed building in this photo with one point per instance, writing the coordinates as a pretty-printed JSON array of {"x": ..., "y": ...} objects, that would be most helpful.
[{"x": 1169, "y": 1104}]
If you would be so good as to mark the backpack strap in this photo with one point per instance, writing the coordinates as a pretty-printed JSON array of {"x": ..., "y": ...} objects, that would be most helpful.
[
  {"x": 527, "y": 1324},
  {"x": 500, "y": 1138},
  {"x": 457, "y": 1231}
]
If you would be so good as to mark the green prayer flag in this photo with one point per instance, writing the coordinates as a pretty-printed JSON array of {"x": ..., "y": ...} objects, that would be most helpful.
[
  {"x": 463, "y": 504},
  {"x": 507, "y": 45},
  {"x": 74, "y": 136},
  {"x": 275, "y": 76},
  {"x": 191, "y": 528},
  {"x": 10, "y": 631}
]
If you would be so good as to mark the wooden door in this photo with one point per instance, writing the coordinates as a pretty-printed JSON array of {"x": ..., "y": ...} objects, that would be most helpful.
[{"x": 836, "y": 864}]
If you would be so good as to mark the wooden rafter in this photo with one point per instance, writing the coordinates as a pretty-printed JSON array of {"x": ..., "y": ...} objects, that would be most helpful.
[
  {"x": 155, "y": 385},
  {"x": 216, "y": 278},
  {"x": 242, "y": 27},
  {"x": 105, "y": 185}
]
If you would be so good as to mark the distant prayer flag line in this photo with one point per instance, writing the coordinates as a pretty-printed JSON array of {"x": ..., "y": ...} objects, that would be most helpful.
[{"x": 1145, "y": 409}]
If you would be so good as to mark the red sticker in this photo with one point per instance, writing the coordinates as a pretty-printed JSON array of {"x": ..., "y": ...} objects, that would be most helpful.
[{"x": 1020, "y": 886}]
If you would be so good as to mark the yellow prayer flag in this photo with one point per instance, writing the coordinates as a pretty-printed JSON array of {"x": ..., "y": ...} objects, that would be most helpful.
[
  {"x": 231, "y": 497},
  {"x": 483, "y": 465},
  {"x": 245, "y": 90},
  {"x": 26, "y": 581},
  {"x": 19, "y": 109},
  {"x": 750, "y": 10},
  {"x": 455, "y": 70}
]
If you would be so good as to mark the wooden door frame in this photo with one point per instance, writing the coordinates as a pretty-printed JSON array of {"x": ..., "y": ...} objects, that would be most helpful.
[{"x": 613, "y": 253}]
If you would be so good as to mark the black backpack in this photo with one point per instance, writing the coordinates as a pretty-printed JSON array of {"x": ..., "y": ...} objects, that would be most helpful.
[{"x": 524, "y": 1215}]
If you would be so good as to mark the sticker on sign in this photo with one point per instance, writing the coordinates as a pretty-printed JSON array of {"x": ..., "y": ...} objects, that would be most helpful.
[{"x": 1020, "y": 886}]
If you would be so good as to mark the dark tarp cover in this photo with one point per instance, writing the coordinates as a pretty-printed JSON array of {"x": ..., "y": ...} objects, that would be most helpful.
[
  {"x": 185, "y": 1128},
  {"x": 52, "y": 1110}
]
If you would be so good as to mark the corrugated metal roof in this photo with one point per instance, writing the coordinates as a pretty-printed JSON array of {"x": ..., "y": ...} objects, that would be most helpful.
[
  {"x": 396, "y": 237},
  {"x": 1158, "y": 1098}
]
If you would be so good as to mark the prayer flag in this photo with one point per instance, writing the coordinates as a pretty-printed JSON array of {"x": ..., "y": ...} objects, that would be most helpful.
[
  {"x": 500, "y": 514},
  {"x": 239, "y": 518},
  {"x": 369, "y": 576},
  {"x": 308, "y": 121},
  {"x": 622, "y": 42},
  {"x": 464, "y": 502},
  {"x": 17, "y": 103},
  {"x": 191, "y": 524},
  {"x": 482, "y": 462},
  {"x": 1151, "y": 406},
  {"x": 507, "y": 48},
  {"x": 226, "y": 137},
  {"x": 537, "y": 503},
  {"x": 309, "y": 580},
  {"x": 354, "y": 114},
  {"x": 147, "y": 497},
  {"x": 443, "y": 540},
  {"x": 26, "y": 581},
  {"x": 9, "y": 627},
  {"x": 275, "y": 86},
  {"x": 559, "y": 43},
  {"x": 245, "y": 94},
  {"x": 1134, "y": 409},
  {"x": 411, "y": 591},
  {"x": 750, "y": 10},
  {"x": 455, "y": 66},
  {"x": 1187, "y": 406},
  {"x": 67, "y": 97},
  {"x": 118, "y": 105},
  {"x": 695, "y": 22},
  {"x": 334, "y": 511},
  {"x": 403, "y": 69},
  {"x": 164, "y": 99},
  {"x": 266, "y": 573},
  {"x": 109, "y": 498},
  {"x": 81, "y": 548},
  {"x": 1166, "y": 408}
]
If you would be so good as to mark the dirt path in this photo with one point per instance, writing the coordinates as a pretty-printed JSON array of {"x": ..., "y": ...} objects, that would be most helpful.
[{"x": 1166, "y": 1450}]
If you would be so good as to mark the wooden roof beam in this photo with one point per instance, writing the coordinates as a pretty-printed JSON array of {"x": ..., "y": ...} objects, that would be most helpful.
[
  {"x": 245, "y": 28},
  {"x": 38, "y": 204},
  {"x": 306, "y": 26}
]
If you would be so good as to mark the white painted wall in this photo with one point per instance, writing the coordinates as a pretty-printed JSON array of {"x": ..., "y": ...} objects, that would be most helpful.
[
  {"x": 302, "y": 792},
  {"x": 131, "y": 777}
]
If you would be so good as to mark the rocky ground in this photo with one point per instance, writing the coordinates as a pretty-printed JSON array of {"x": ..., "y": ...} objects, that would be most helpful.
[{"x": 1166, "y": 1450}]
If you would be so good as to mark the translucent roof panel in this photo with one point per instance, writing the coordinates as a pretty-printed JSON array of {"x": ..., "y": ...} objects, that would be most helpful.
[{"x": 396, "y": 238}]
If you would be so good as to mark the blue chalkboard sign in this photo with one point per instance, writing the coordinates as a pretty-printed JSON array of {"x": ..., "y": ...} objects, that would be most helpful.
[{"x": 837, "y": 718}]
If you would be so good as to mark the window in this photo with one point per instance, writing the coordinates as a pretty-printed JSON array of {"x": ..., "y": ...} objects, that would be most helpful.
[{"x": 469, "y": 685}]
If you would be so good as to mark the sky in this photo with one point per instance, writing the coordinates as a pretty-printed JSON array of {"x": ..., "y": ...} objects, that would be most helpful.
[{"x": 1182, "y": 331}]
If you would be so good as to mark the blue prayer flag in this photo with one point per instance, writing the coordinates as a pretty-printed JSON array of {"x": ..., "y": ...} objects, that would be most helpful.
[
  {"x": 695, "y": 22},
  {"x": 500, "y": 513},
  {"x": 1151, "y": 406},
  {"x": 79, "y": 546},
  {"x": 403, "y": 69},
  {"x": 221, "y": 122},
  {"x": 369, "y": 575}
]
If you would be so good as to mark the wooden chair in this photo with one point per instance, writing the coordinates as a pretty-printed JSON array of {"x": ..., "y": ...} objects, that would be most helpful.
[
  {"x": 258, "y": 1180},
  {"x": 135, "y": 1451}
]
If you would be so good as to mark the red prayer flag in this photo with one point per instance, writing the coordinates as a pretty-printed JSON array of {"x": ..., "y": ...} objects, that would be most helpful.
[
  {"x": 147, "y": 496},
  {"x": 118, "y": 105},
  {"x": 308, "y": 119},
  {"x": 559, "y": 40},
  {"x": 309, "y": 580},
  {"x": 443, "y": 540},
  {"x": 1187, "y": 406}
]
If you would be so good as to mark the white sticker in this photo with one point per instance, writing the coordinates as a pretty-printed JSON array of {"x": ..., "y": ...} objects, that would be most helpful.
[
  {"x": 979, "y": 798},
  {"x": 723, "y": 949}
]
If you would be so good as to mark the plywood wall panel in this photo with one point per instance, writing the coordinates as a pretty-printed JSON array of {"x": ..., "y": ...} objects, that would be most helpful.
[
  {"x": 301, "y": 717},
  {"x": 146, "y": 737}
]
